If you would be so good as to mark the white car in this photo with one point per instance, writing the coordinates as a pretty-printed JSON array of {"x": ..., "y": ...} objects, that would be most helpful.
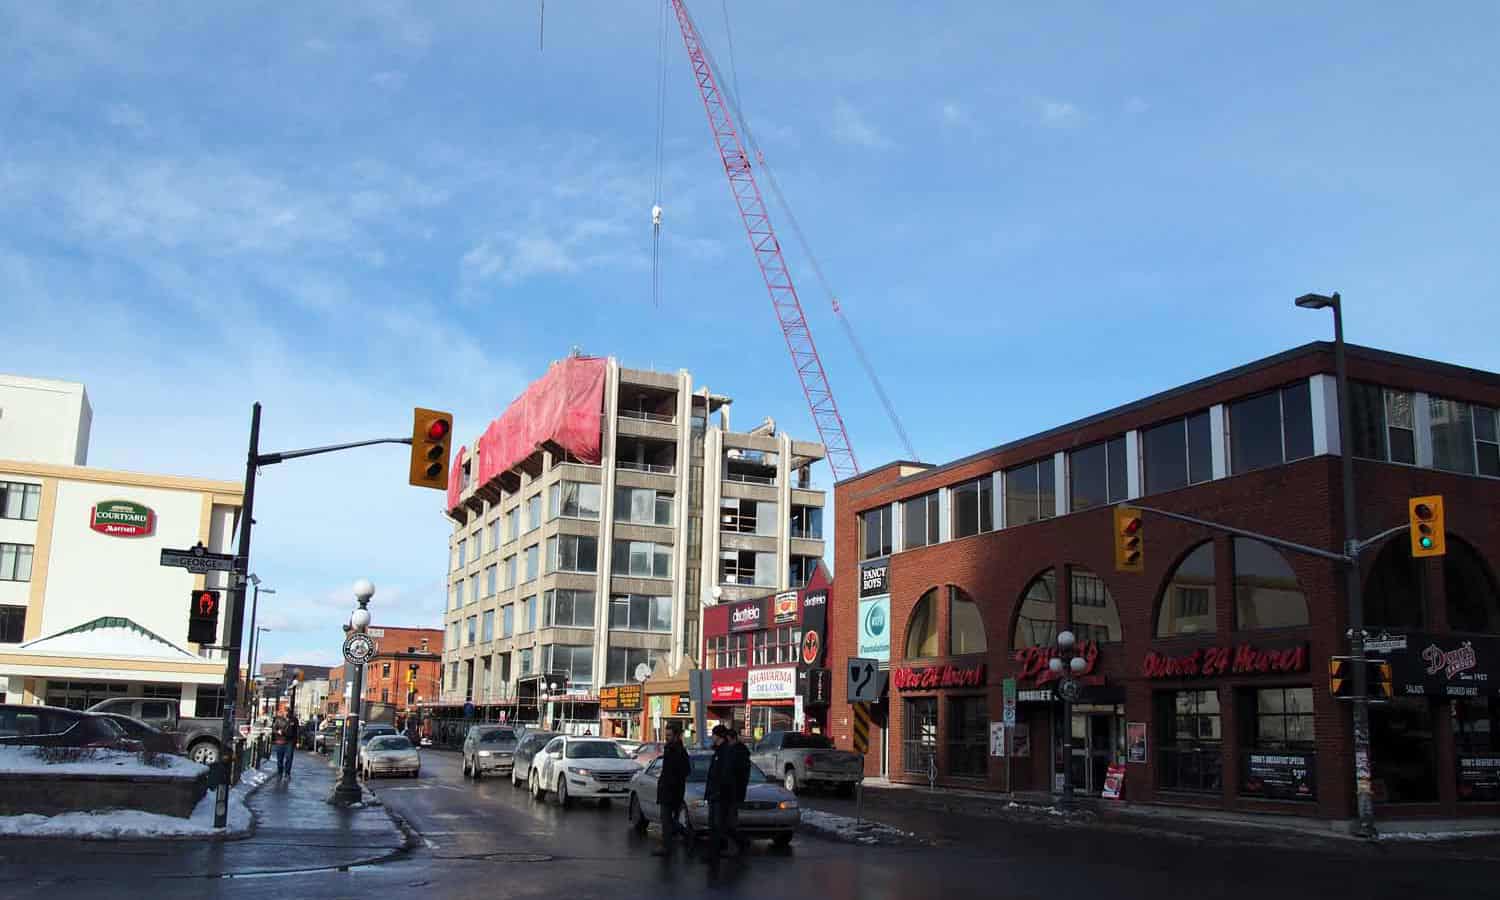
[
  {"x": 573, "y": 767},
  {"x": 389, "y": 754}
]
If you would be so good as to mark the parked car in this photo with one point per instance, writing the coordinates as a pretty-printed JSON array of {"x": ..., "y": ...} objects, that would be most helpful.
[
  {"x": 530, "y": 745},
  {"x": 629, "y": 746},
  {"x": 368, "y": 733},
  {"x": 327, "y": 736},
  {"x": 646, "y": 752},
  {"x": 489, "y": 748},
  {"x": 53, "y": 726},
  {"x": 769, "y": 810},
  {"x": 389, "y": 754},
  {"x": 798, "y": 760},
  {"x": 148, "y": 736},
  {"x": 196, "y": 738},
  {"x": 581, "y": 767}
]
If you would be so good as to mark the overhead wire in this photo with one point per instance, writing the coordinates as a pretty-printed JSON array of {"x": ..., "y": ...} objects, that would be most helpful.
[{"x": 661, "y": 128}]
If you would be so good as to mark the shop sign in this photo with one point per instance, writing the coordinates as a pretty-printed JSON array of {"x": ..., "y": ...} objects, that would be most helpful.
[
  {"x": 814, "y": 627},
  {"x": 122, "y": 518},
  {"x": 728, "y": 693},
  {"x": 874, "y": 578},
  {"x": 1279, "y": 776},
  {"x": 1245, "y": 659},
  {"x": 748, "y": 616},
  {"x": 1033, "y": 661},
  {"x": 927, "y": 678},
  {"x": 875, "y": 629},
  {"x": 784, "y": 608},
  {"x": 1479, "y": 777},
  {"x": 819, "y": 687},
  {"x": 1114, "y": 781},
  {"x": 620, "y": 697},
  {"x": 684, "y": 705},
  {"x": 1035, "y": 696},
  {"x": 1436, "y": 666},
  {"x": 773, "y": 684}
]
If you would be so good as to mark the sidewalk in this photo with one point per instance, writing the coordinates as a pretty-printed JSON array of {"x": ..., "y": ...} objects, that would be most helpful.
[{"x": 295, "y": 830}]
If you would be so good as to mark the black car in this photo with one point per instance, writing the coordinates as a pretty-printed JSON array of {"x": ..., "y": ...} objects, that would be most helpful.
[
  {"x": 148, "y": 736},
  {"x": 531, "y": 744},
  {"x": 52, "y": 726}
]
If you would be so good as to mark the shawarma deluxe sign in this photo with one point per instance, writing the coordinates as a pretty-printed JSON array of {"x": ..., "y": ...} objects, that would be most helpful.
[{"x": 122, "y": 518}]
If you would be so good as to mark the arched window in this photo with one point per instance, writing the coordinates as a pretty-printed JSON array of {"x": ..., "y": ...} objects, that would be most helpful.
[
  {"x": 1094, "y": 614},
  {"x": 1395, "y": 594},
  {"x": 1036, "y": 623},
  {"x": 965, "y": 625},
  {"x": 1188, "y": 604},
  {"x": 1473, "y": 604},
  {"x": 1266, "y": 594},
  {"x": 922, "y": 632}
]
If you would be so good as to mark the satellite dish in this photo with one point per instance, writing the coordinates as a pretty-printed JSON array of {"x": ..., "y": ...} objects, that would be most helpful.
[
  {"x": 642, "y": 671},
  {"x": 718, "y": 592}
]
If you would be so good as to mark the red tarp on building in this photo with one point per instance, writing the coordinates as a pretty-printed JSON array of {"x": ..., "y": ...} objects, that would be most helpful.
[{"x": 456, "y": 477}]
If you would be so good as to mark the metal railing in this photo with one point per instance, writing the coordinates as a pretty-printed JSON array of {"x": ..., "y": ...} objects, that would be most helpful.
[
  {"x": 749, "y": 479},
  {"x": 645, "y": 467},
  {"x": 647, "y": 416}
]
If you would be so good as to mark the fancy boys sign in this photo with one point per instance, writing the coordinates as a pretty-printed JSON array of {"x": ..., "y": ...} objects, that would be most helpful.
[
  {"x": 122, "y": 518},
  {"x": 928, "y": 678},
  {"x": 1243, "y": 659}
]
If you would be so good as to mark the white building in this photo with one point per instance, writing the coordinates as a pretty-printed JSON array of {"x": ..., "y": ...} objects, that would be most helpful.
[{"x": 42, "y": 420}]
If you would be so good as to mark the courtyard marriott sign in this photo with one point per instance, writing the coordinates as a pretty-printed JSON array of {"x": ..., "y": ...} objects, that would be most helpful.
[{"x": 122, "y": 518}]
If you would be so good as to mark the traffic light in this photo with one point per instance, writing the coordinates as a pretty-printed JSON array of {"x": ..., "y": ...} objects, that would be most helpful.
[
  {"x": 431, "y": 432},
  {"x": 411, "y": 674},
  {"x": 1379, "y": 685},
  {"x": 1426, "y": 524},
  {"x": 203, "y": 617},
  {"x": 1128, "y": 544}
]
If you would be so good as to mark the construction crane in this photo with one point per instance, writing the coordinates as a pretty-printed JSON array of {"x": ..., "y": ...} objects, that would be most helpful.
[{"x": 773, "y": 267}]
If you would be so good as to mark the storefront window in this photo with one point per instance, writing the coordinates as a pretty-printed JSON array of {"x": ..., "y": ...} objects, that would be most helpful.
[
  {"x": 1188, "y": 604},
  {"x": 1395, "y": 593},
  {"x": 1276, "y": 728},
  {"x": 765, "y": 719},
  {"x": 1095, "y": 616},
  {"x": 968, "y": 737},
  {"x": 1190, "y": 757},
  {"x": 1472, "y": 602},
  {"x": 1476, "y": 737},
  {"x": 919, "y": 749},
  {"x": 1036, "y": 624},
  {"x": 1266, "y": 593},
  {"x": 1403, "y": 754},
  {"x": 965, "y": 625},
  {"x": 922, "y": 633}
]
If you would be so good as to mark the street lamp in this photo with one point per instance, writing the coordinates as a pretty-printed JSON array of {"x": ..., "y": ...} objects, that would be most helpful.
[
  {"x": 1364, "y": 798},
  {"x": 255, "y": 632},
  {"x": 1068, "y": 690},
  {"x": 347, "y": 791},
  {"x": 254, "y": 605}
]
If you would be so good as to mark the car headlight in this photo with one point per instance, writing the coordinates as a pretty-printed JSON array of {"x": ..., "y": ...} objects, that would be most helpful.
[
  {"x": 485, "y": 753},
  {"x": 698, "y": 804},
  {"x": 787, "y": 804},
  {"x": 578, "y": 771}
]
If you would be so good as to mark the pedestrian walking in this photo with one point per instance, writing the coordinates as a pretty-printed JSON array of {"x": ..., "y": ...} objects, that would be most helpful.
[
  {"x": 720, "y": 792},
  {"x": 284, "y": 739},
  {"x": 670, "y": 789},
  {"x": 739, "y": 755}
]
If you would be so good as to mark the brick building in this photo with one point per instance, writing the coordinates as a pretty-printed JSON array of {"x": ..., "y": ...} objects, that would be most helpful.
[
  {"x": 1206, "y": 675},
  {"x": 406, "y": 670}
]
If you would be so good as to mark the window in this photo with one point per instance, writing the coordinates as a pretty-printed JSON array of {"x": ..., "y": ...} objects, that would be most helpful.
[
  {"x": 385, "y": 670},
  {"x": 1266, "y": 594},
  {"x": 1473, "y": 604},
  {"x": 919, "y": 744},
  {"x": 1476, "y": 737},
  {"x": 20, "y": 501},
  {"x": 533, "y": 512},
  {"x": 775, "y": 645},
  {"x": 574, "y": 500},
  {"x": 510, "y": 573},
  {"x": 640, "y": 612},
  {"x": 1188, "y": 604},
  {"x": 728, "y": 651},
  {"x": 504, "y": 670},
  {"x": 747, "y": 567},
  {"x": 1395, "y": 594},
  {"x": 801, "y": 570},
  {"x": 622, "y": 662},
  {"x": 919, "y": 521},
  {"x": 12, "y": 624},
  {"x": 1380, "y": 423},
  {"x": 568, "y": 609},
  {"x": 1282, "y": 718},
  {"x": 965, "y": 625},
  {"x": 922, "y": 627},
  {"x": 572, "y": 553},
  {"x": 1030, "y": 493},
  {"x": 1190, "y": 738},
  {"x": 1096, "y": 474},
  {"x": 463, "y": 553},
  {"x": 973, "y": 507},
  {"x": 1405, "y": 768},
  {"x": 1270, "y": 428},
  {"x": 577, "y": 660},
  {"x": 513, "y": 524},
  {"x": 740, "y": 516},
  {"x": 507, "y": 620},
  {"x": 1486, "y": 442},
  {"x": 807, "y": 522},
  {"x": 531, "y": 562},
  {"x": 452, "y": 675},
  {"x": 643, "y": 506},
  {"x": 875, "y": 533},
  {"x": 210, "y": 703},
  {"x": 487, "y": 626},
  {"x": 968, "y": 737},
  {"x": 642, "y": 559},
  {"x": 473, "y": 589},
  {"x": 453, "y": 634},
  {"x": 1177, "y": 453},
  {"x": 1452, "y": 433},
  {"x": 526, "y": 656},
  {"x": 15, "y": 562},
  {"x": 458, "y": 593},
  {"x": 471, "y": 628},
  {"x": 528, "y": 613},
  {"x": 1036, "y": 622},
  {"x": 490, "y": 573},
  {"x": 1094, "y": 614},
  {"x": 476, "y": 540},
  {"x": 495, "y": 535}
]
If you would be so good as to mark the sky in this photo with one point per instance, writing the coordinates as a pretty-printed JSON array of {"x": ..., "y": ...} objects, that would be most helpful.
[{"x": 1029, "y": 215}]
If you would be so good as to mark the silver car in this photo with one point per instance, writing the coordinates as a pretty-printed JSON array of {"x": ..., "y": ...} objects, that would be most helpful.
[
  {"x": 389, "y": 754},
  {"x": 489, "y": 748},
  {"x": 769, "y": 809}
]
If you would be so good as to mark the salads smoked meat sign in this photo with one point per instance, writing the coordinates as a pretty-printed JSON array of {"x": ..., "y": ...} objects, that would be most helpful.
[{"x": 1432, "y": 665}]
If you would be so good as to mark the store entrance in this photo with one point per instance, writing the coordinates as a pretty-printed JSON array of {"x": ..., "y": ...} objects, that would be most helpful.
[{"x": 1098, "y": 741}]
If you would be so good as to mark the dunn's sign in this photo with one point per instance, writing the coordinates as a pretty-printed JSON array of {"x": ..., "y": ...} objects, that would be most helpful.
[
  {"x": 122, "y": 518},
  {"x": 1245, "y": 659}
]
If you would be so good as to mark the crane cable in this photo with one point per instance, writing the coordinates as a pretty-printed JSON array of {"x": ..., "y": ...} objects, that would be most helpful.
[
  {"x": 661, "y": 129},
  {"x": 732, "y": 94}
]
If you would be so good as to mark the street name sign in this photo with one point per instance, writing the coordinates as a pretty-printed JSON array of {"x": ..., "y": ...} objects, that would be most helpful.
[{"x": 198, "y": 560}]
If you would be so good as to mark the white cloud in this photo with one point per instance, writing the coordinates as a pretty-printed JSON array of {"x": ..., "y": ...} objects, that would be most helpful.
[
  {"x": 127, "y": 117},
  {"x": 390, "y": 80},
  {"x": 851, "y": 127},
  {"x": 1059, "y": 114},
  {"x": 1135, "y": 106}
]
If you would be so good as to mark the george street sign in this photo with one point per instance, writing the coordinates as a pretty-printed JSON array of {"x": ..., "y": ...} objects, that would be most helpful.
[{"x": 198, "y": 560}]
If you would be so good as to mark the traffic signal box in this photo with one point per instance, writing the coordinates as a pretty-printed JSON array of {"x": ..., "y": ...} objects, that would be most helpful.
[
  {"x": 203, "y": 617},
  {"x": 1128, "y": 540},
  {"x": 1428, "y": 535},
  {"x": 431, "y": 433},
  {"x": 1378, "y": 682}
]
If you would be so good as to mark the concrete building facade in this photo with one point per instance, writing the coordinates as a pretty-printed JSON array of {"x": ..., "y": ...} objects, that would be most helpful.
[{"x": 43, "y": 420}]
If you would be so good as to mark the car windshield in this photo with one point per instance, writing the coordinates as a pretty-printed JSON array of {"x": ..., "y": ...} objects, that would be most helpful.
[
  {"x": 534, "y": 742},
  {"x": 498, "y": 737},
  {"x": 700, "y": 769},
  {"x": 390, "y": 742},
  {"x": 594, "y": 750},
  {"x": 791, "y": 741}
]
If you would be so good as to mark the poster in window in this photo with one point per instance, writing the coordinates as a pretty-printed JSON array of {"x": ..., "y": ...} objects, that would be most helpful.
[
  {"x": 997, "y": 739},
  {"x": 1279, "y": 776},
  {"x": 1020, "y": 740},
  {"x": 1135, "y": 741},
  {"x": 1479, "y": 777}
]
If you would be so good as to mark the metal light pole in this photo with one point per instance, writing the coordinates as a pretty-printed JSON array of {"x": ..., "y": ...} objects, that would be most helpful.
[
  {"x": 1364, "y": 797},
  {"x": 254, "y": 607},
  {"x": 1067, "y": 690},
  {"x": 347, "y": 791},
  {"x": 234, "y": 635}
]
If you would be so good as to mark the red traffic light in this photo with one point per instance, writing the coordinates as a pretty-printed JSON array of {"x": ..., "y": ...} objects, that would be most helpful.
[
  {"x": 208, "y": 604},
  {"x": 1131, "y": 525},
  {"x": 1422, "y": 511},
  {"x": 438, "y": 429}
]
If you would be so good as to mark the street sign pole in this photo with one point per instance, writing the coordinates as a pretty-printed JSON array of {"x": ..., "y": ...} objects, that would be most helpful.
[{"x": 236, "y": 624}]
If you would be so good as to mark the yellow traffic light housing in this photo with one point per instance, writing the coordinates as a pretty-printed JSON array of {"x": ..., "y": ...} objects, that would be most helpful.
[
  {"x": 1128, "y": 540},
  {"x": 431, "y": 434},
  {"x": 1341, "y": 676},
  {"x": 1428, "y": 535}
]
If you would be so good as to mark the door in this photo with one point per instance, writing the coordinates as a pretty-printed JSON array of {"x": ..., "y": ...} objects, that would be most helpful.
[
  {"x": 1101, "y": 744},
  {"x": 645, "y": 791}
]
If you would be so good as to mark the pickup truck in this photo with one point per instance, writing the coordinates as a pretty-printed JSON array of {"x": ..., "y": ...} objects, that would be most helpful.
[
  {"x": 797, "y": 759},
  {"x": 197, "y": 739}
]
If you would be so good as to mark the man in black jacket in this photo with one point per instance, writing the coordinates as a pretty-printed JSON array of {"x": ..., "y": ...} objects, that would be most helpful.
[
  {"x": 739, "y": 755},
  {"x": 721, "y": 792},
  {"x": 670, "y": 787}
]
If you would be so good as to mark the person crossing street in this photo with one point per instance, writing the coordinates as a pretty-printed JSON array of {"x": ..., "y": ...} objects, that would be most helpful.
[
  {"x": 675, "y": 768},
  {"x": 721, "y": 792}
]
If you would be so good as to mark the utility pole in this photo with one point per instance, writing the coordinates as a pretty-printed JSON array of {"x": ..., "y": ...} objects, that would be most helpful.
[{"x": 236, "y": 625}]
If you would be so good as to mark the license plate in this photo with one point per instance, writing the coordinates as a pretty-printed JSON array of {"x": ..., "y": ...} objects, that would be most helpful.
[{"x": 610, "y": 790}]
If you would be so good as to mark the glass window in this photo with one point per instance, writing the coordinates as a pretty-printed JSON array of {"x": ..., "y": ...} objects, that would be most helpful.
[
  {"x": 458, "y": 593},
  {"x": 741, "y": 516},
  {"x": 1270, "y": 428},
  {"x": 525, "y": 662},
  {"x": 800, "y": 570},
  {"x": 622, "y": 662},
  {"x": 747, "y": 567},
  {"x": 643, "y": 506},
  {"x": 968, "y": 737},
  {"x": 473, "y": 594},
  {"x": 577, "y": 660},
  {"x": 1403, "y": 757},
  {"x": 640, "y": 612},
  {"x": 1030, "y": 493},
  {"x": 919, "y": 521},
  {"x": 463, "y": 553},
  {"x": 20, "y": 501},
  {"x": 973, "y": 507},
  {"x": 528, "y": 614},
  {"x": 1177, "y": 453},
  {"x": 1096, "y": 474},
  {"x": 1188, "y": 604},
  {"x": 1367, "y": 434},
  {"x": 965, "y": 624},
  {"x": 1036, "y": 623},
  {"x": 567, "y": 608},
  {"x": 807, "y": 522},
  {"x": 875, "y": 533},
  {"x": 513, "y": 523},
  {"x": 495, "y": 535},
  {"x": 15, "y": 562},
  {"x": 533, "y": 512},
  {"x": 572, "y": 553},
  {"x": 1189, "y": 741},
  {"x": 490, "y": 573},
  {"x": 1095, "y": 616},
  {"x": 12, "y": 624},
  {"x": 510, "y": 572},
  {"x": 1452, "y": 435},
  {"x": 471, "y": 626},
  {"x": 574, "y": 500},
  {"x": 1266, "y": 593},
  {"x": 1486, "y": 442},
  {"x": 919, "y": 744},
  {"x": 642, "y": 559},
  {"x": 532, "y": 560},
  {"x": 922, "y": 628},
  {"x": 507, "y": 620},
  {"x": 1395, "y": 594},
  {"x": 487, "y": 626},
  {"x": 1281, "y": 718},
  {"x": 1473, "y": 604}
]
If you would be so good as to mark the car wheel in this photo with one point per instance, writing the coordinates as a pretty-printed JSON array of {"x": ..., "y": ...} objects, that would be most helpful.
[
  {"x": 478, "y": 772},
  {"x": 466, "y": 767},
  {"x": 783, "y": 839},
  {"x": 636, "y": 816},
  {"x": 563, "y": 799},
  {"x": 790, "y": 781},
  {"x": 513, "y": 782},
  {"x": 536, "y": 786},
  {"x": 204, "y": 753}
]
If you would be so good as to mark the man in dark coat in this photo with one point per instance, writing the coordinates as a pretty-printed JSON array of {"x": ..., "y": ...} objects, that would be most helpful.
[
  {"x": 670, "y": 787},
  {"x": 721, "y": 792}
]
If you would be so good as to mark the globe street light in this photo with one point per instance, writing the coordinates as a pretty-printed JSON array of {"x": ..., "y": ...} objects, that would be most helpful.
[
  {"x": 1068, "y": 690},
  {"x": 347, "y": 790}
]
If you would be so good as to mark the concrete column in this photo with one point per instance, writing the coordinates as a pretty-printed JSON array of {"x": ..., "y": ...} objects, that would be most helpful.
[
  {"x": 1218, "y": 435},
  {"x": 1325, "y": 414},
  {"x": 1421, "y": 420},
  {"x": 784, "y": 510},
  {"x": 188, "y": 702},
  {"x": 713, "y": 492},
  {"x": 607, "y": 457},
  {"x": 1060, "y": 477},
  {"x": 898, "y": 530},
  {"x": 680, "y": 561},
  {"x": 1133, "y": 479}
]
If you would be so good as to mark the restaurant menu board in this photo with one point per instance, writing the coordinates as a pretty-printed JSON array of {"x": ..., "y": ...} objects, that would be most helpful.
[
  {"x": 1279, "y": 776},
  {"x": 1114, "y": 782},
  {"x": 1135, "y": 741},
  {"x": 1479, "y": 777}
]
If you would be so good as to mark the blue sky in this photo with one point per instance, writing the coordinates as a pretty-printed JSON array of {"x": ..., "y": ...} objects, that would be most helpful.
[{"x": 345, "y": 210}]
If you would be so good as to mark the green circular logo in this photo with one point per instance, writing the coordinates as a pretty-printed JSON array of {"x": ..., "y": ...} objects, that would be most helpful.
[{"x": 875, "y": 620}]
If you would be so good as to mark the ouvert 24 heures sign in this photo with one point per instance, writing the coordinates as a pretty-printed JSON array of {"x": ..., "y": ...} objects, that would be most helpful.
[{"x": 122, "y": 518}]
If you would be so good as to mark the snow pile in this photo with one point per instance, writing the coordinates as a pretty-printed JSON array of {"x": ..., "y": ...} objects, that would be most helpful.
[
  {"x": 133, "y": 824},
  {"x": 32, "y": 761},
  {"x": 853, "y": 830}
]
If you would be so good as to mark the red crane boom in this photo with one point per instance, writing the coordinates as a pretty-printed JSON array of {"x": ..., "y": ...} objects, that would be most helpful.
[{"x": 767, "y": 249}]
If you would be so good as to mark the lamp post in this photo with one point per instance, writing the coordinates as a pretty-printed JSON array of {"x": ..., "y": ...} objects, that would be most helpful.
[
  {"x": 347, "y": 791},
  {"x": 254, "y": 579},
  {"x": 1068, "y": 690},
  {"x": 255, "y": 631},
  {"x": 1364, "y": 797}
]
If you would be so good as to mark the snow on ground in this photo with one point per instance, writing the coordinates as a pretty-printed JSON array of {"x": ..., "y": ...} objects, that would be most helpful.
[
  {"x": 29, "y": 761},
  {"x": 133, "y": 824},
  {"x": 853, "y": 830}
]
